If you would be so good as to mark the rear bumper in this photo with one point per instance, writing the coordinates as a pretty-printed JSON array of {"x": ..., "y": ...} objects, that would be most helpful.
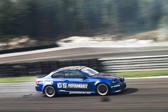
[{"x": 38, "y": 89}]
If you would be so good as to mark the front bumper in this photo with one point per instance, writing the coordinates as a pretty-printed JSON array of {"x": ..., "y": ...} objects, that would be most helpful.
[{"x": 118, "y": 87}]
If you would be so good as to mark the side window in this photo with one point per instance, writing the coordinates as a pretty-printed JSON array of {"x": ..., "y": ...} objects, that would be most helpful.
[
  {"x": 72, "y": 74},
  {"x": 58, "y": 75}
]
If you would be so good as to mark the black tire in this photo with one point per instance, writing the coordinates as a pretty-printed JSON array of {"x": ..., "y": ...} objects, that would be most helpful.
[
  {"x": 102, "y": 89},
  {"x": 49, "y": 91}
]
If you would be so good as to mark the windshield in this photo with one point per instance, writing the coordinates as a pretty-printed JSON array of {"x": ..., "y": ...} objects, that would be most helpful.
[{"x": 89, "y": 71}]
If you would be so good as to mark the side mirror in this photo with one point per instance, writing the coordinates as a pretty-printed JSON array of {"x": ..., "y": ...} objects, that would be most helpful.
[{"x": 83, "y": 77}]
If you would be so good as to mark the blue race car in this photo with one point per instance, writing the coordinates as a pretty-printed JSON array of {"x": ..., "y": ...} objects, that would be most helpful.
[{"x": 79, "y": 80}]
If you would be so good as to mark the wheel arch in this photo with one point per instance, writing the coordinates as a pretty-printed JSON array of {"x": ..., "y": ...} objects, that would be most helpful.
[
  {"x": 101, "y": 83},
  {"x": 48, "y": 85}
]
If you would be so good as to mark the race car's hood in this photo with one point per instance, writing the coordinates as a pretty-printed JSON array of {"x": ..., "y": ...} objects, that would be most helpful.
[{"x": 104, "y": 75}]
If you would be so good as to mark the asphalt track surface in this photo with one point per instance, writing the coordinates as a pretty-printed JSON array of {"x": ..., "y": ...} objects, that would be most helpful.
[
  {"x": 80, "y": 53},
  {"x": 142, "y": 95}
]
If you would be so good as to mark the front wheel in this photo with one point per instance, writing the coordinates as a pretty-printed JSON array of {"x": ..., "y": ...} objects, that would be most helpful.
[
  {"x": 49, "y": 91},
  {"x": 102, "y": 89}
]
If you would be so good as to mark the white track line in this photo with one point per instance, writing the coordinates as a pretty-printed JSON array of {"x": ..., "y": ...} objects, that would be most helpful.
[
  {"x": 149, "y": 77},
  {"x": 51, "y": 57},
  {"x": 64, "y": 48},
  {"x": 34, "y": 51}
]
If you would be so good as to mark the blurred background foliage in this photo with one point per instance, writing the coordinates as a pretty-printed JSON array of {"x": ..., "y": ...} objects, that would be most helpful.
[{"x": 49, "y": 18}]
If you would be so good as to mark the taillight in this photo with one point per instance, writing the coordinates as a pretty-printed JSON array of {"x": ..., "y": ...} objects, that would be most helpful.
[{"x": 37, "y": 82}]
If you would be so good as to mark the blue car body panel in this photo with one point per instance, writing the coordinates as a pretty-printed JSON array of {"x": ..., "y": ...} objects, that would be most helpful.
[{"x": 85, "y": 85}]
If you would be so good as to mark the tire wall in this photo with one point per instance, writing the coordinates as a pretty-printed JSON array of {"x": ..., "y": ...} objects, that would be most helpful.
[{"x": 43, "y": 67}]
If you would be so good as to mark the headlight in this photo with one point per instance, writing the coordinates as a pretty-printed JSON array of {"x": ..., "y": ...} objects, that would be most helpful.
[{"x": 114, "y": 82}]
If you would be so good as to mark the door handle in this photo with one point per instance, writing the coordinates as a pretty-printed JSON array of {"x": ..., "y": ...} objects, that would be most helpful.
[{"x": 66, "y": 80}]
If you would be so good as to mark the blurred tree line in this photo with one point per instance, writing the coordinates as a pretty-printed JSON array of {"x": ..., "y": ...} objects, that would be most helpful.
[{"x": 48, "y": 18}]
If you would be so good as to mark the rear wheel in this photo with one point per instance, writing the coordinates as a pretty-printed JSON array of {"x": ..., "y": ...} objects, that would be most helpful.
[
  {"x": 102, "y": 89},
  {"x": 49, "y": 91}
]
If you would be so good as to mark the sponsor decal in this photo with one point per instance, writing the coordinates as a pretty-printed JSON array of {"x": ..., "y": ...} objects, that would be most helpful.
[
  {"x": 77, "y": 85},
  {"x": 59, "y": 85},
  {"x": 118, "y": 91},
  {"x": 72, "y": 85},
  {"x": 76, "y": 92},
  {"x": 64, "y": 85},
  {"x": 117, "y": 85},
  {"x": 47, "y": 81},
  {"x": 62, "y": 90}
]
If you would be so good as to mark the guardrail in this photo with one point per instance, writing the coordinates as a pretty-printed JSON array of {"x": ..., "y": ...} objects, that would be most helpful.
[{"x": 134, "y": 63}]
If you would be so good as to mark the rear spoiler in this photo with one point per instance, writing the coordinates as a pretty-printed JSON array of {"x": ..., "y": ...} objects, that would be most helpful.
[{"x": 41, "y": 76}]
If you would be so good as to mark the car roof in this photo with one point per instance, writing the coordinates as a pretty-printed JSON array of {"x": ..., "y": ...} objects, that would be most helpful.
[{"x": 72, "y": 68}]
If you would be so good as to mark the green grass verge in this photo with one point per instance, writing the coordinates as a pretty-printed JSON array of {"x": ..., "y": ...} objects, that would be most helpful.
[
  {"x": 124, "y": 74},
  {"x": 18, "y": 79},
  {"x": 143, "y": 73}
]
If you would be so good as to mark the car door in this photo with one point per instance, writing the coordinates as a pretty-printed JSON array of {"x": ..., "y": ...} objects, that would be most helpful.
[
  {"x": 58, "y": 80},
  {"x": 75, "y": 82}
]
